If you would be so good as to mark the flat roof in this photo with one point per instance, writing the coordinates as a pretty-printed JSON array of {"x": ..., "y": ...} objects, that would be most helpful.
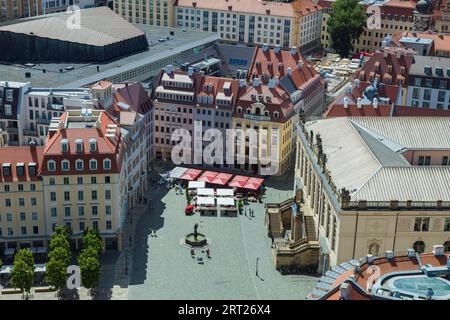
[{"x": 86, "y": 73}]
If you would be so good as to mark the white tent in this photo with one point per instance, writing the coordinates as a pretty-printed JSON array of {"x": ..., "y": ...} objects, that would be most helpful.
[
  {"x": 39, "y": 268},
  {"x": 196, "y": 184},
  {"x": 205, "y": 201},
  {"x": 177, "y": 172},
  {"x": 225, "y": 201},
  {"x": 205, "y": 192},
  {"x": 225, "y": 192},
  {"x": 6, "y": 269}
]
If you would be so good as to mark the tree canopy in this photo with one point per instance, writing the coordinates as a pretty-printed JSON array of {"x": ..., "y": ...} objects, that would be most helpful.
[
  {"x": 59, "y": 258},
  {"x": 22, "y": 272},
  {"x": 346, "y": 23}
]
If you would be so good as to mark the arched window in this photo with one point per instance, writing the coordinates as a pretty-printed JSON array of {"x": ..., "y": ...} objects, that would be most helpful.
[
  {"x": 79, "y": 164},
  {"x": 107, "y": 164},
  {"x": 65, "y": 165},
  {"x": 419, "y": 246},
  {"x": 51, "y": 165},
  {"x": 93, "y": 164},
  {"x": 447, "y": 246}
]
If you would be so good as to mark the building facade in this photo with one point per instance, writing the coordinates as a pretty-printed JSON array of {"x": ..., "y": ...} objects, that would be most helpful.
[
  {"x": 152, "y": 12},
  {"x": 367, "y": 187},
  {"x": 286, "y": 24}
]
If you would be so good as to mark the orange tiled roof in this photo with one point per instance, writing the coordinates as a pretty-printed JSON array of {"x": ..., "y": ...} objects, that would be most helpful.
[{"x": 25, "y": 155}]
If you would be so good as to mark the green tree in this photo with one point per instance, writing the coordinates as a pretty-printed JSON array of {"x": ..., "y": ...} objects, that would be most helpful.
[
  {"x": 22, "y": 272},
  {"x": 90, "y": 268},
  {"x": 346, "y": 23},
  {"x": 59, "y": 258},
  {"x": 92, "y": 240},
  {"x": 56, "y": 273}
]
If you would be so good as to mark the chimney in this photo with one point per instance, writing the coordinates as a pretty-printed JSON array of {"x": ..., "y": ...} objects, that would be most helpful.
[
  {"x": 241, "y": 83},
  {"x": 289, "y": 71},
  {"x": 411, "y": 253},
  {"x": 271, "y": 83},
  {"x": 344, "y": 293},
  {"x": 32, "y": 145},
  {"x": 345, "y": 102},
  {"x": 293, "y": 51},
  {"x": 277, "y": 80},
  {"x": 256, "y": 82},
  {"x": 190, "y": 71},
  {"x": 265, "y": 47},
  {"x": 370, "y": 258},
  {"x": 438, "y": 250},
  {"x": 277, "y": 48},
  {"x": 126, "y": 83},
  {"x": 357, "y": 82},
  {"x": 375, "y": 103},
  {"x": 359, "y": 103}
]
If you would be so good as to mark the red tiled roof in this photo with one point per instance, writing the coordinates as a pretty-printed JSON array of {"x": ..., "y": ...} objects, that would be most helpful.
[
  {"x": 133, "y": 95},
  {"x": 25, "y": 155}
]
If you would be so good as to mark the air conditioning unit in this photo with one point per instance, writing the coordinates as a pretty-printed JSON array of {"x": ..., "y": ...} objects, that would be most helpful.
[{"x": 438, "y": 250}]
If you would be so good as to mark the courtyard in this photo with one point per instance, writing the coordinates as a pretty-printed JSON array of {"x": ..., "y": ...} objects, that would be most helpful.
[{"x": 164, "y": 269}]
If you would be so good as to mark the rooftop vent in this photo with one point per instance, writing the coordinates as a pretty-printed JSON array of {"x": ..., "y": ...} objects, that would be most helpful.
[
  {"x": 277, "y": 49},
  {"x": 190, "y": 71},
  {"x": 241, "y": 83},
  {"x": 293, "y": 51},
  {"x": 359, "y": 103},
  {"x": 256, "y": 82},
  {"x": 265, "y": 47},
  {"x": 169, "y": 69},
  {"x": 375, "y": 103},
  {"x": 411, "y": 253},
  {"x": 389, "y": 254},
  {"x": 289, "y": 71},
  {"x": 346, "y": 102},
  {"x": 438, "y": 250},
  {"x": 344, "y": 293}
]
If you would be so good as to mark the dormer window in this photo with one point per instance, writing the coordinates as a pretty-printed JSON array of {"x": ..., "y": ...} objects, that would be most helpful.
[
  {"x": 51, "y": 165},
  {"x": 276, "y": 114},
  {"x": 32, "y": 169},
  {"x": 65, "y": 145},
  {"x": 20, "y": 169},
  {"x": 239, "y": 110},
  {"x": 93, "y": 164},
  {"x": 107, "y": 164},
  {"x": 65, "y": 165},
  {"x": 79, "y": 144},
  {"x": 92, "y": 145}
]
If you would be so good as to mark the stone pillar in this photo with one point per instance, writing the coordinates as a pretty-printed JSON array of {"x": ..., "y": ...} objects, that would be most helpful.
[{"x": 296, "y": 227}]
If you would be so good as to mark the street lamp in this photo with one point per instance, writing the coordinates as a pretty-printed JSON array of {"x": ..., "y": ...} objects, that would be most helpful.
[{"x": 257, "y": 263}]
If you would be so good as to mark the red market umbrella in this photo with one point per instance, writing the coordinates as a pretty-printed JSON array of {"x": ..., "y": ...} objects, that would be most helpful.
[
  {"x": 253, "y": 183},
  {"x": 191, "y": 174},
  {"x": 208, "y": 176},
  {"x": 238, "y": 181},
  {"x": 222, "y": 179}
]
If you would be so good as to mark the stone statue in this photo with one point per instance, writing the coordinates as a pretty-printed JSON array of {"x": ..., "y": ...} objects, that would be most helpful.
[{"x": 195, "y": 231}]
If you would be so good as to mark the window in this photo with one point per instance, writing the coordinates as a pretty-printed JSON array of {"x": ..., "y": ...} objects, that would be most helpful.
[
  {"x": 65, "y": 164},
  {"x": 94, "y": 210},
  {"x": 107, "y": 164},
  {"x": 33, "y": 201},
  {"x": 23, "y": 216},
  {"x": 81, "y": 224},
  {"x": 445, "y": 161},
  {"x": 92, "y": 145},
  {"x": 107, "y": 194},
  {"x": 66, "y": 195},
  {"x": 6, "y": 188},
  {"x": 21, "y": 202},
  {"x": 81, "y": 211},
  {"x": 94, "y": 194},
  {"x": 54, "y": 212},
  {"x": 52, "y": 196},
  {"x": 424, "y": 160},
  {"x": 51, "y": 165},
  {"x": 34, "y": 216},
  {"x": 95, "y": 225},
  {"x": 66, "y": 180},
  {"x": 80, "y": 195},
  {"x": 9, "y": 217},
  {"x": 79, "y": 145},
  {"x": 419, "y": 247},
  {"x": 35, "y": 230},
  {"x": 421, "y": 224},
  {"x": 447, "y": 224},
  {"x": 107, "y": 179},
  {"x": 93, "y": 164},
  {"x": 79, "y": 165},
  {"x": 7, "y": 202},
  {"x": 67, "y": 211},
  {"x": 80, "y": 180},
  {"x": 108, "y": 210},
  {"x": 108, "y": 225},
  {"x": 52, "y": 181},
  {"x": 23, "y": 230},
  {"x": 32, "y": 187},
  {"x": 93, "y": 180},
  {"x": 64, "y": 145}
]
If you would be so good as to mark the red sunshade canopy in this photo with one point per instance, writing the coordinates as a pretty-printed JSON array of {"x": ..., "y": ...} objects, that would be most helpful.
[
  {"x": 222, "y": 179},
  {"x": 208, "y": 176},
  {"x": 191, "y": 174},
  {"x": 238, "y": 181},
  {"x": 253, "y": 183}
]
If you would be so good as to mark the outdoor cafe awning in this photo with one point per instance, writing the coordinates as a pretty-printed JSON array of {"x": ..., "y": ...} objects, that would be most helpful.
[
  {"x": 9, "y": 251},
  {"x": 41, "y": 250},
  {"x": 225, "y": 192},
  {"x": 238, "y": 181},
  {"x": 208, "y": 176},
  {"x": 205, "y": 192},
  {"x": 6, "y": 270},
  {"x": 253, "y": 183},
  {"x": 205, "y": 201},
  {"x": 191, "y": 174},
  {"x": 39, "y": 268},
  {"x": 196, "y": 184},
  {"x": 222, "y": 179},
  {"x": 225, "y": 201},
  {"x": 177, "y": 172}
]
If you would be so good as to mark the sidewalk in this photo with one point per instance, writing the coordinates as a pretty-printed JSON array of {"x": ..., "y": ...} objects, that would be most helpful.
[{"x": 124, "y": 265}]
